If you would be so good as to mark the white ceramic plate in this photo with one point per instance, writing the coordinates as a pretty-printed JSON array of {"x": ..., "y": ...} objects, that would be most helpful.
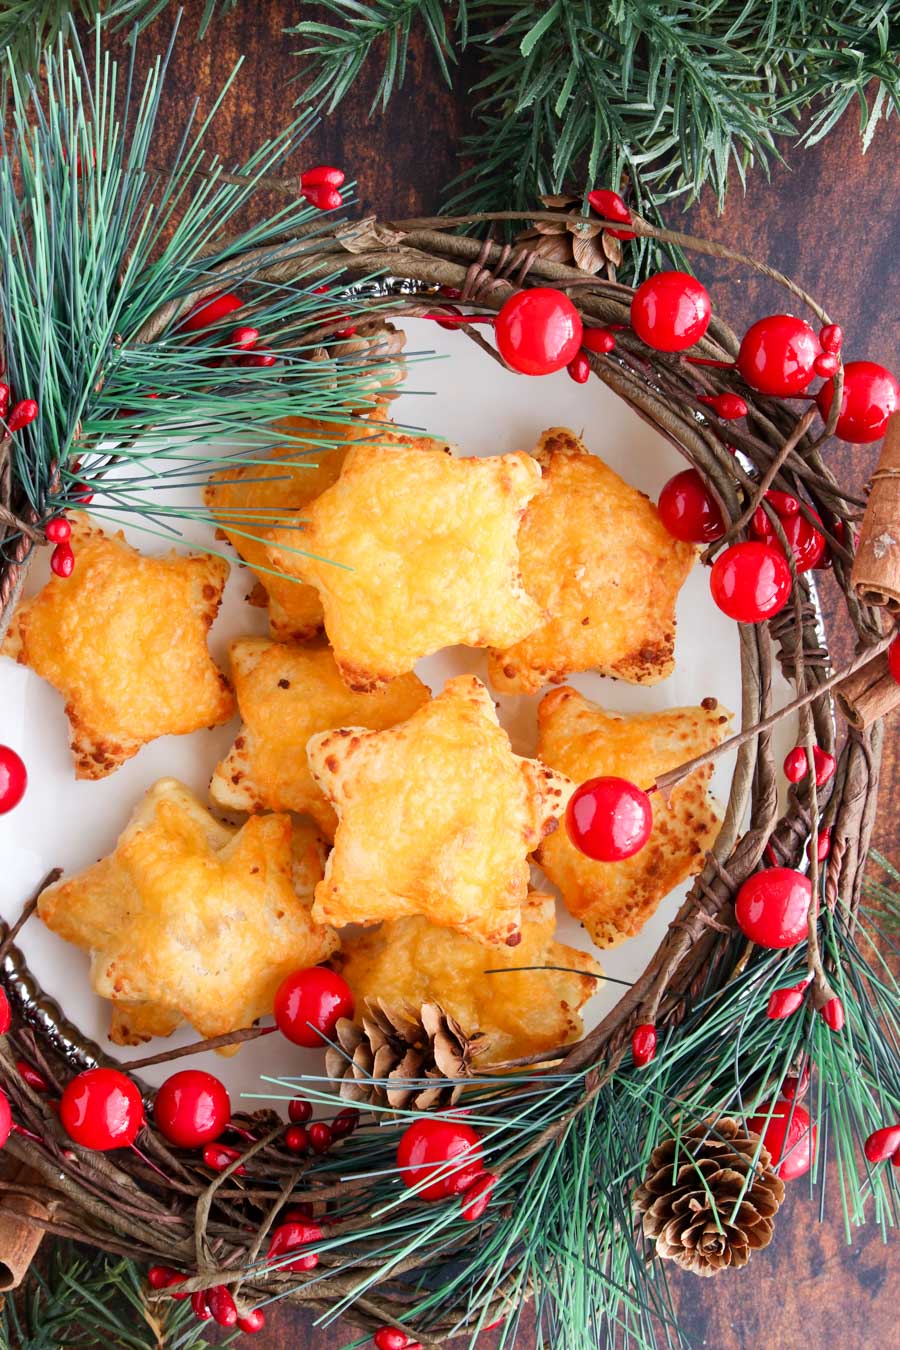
[{"x": 486, "y": 411}]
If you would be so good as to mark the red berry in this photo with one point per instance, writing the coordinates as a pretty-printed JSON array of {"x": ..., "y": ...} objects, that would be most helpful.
[
  {"x": 882, "y": 1144},
  {"x": 826, "y": 365},
  {"x": 293, "y": 1237},
  {"x": 191, "y": 1108},
  {"x": 538, "y": 331},
  {"x": 102, "y": 1109},
  {"x": 788, "y": 1136},
  {"x": 729, "y": 406},
  {"x": 782, "y": 503},
  {"x": 832, "y": 1014},
  {"x": 296, "y": 1139},
  {"x": 345, "y": 1122},
  {"x": 244, "y": 338},
  {"x": 5, "y": 1118},
  {"x": 796, "y": 1087},
  {"x": 219, "y": 1156},
  {"x": 221, "y": 1305},
  {"x": 258, "y": 359},
  {"x": 13, "y": 779},
  {"x": 772, "y": 907},
  {"x": 211, "y": 310},
  {"x": 200, "y": 1305},
  {"x": 32, "y": 1076},
  {"x": 579, "y": 368},
  {"x": 671, "y": 311},
  {"x": 823, "y": 844},
  {"x": 160, "y": 1277},
  {"x": 322, "y": 175},
  {"x": 390, "y": 1338},
  {"x": 831, "y": 338},
  {"x": 323, "y": 197},
  {"x": 426, "y": 1150},
  {"x": 609, "y": 819},
  {"x": 750, "y": 581},
  {"x": 320, "y": 1136},
  {"x": 806, "y": 542},
  {"x": 58, "y": 530},
  {"x": 309, "y": 1003},
  {"x": 477, "y": 1197},
  {"x": 823, "y": 765},
  {"x": 4, "y": 399},
  {"x": 23, "y": 413},
  {"x": 599, "y": 340},
  {"x": 870, "y": 395},
  {"x": 795, "y": 764},
  {"x": 777, "y": 355},
  {"x": 893, "y": 655},
  {"x": 688, "y": 509},
  {"x": 62, "y": 560},
  {"x": 643, "y": 1044},
  {"x": 252, "y": 1322},
  {"x": 82, "y": 493},
  {"x": 301, "y": 1212},
  {"x": 5, "y": 1014},
  {"x": 299, "y": 1110},
  {"x": 785, "y": 1002},
  {"x": 609, "y": 206}
]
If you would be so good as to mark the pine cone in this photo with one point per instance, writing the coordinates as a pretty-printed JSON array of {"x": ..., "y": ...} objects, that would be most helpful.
[
  {"x": 680, "y": 1212},
  {"x": 395, "y": 1044},
  {"x": 569, "y": 240}
]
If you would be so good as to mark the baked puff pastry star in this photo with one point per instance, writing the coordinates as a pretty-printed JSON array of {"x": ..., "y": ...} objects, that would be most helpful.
[
  {"x": 614, "y": 900},
  {"x": 409, "y": 962},
  {"x": 601, "y": 564},
  {"x": 412, "y": 553},
  {"x": 190, "y": 920},
  {"x": 124, "y": 641},
  {"x": 286, "y": 694},
  {"x": 436, "y": 816}
]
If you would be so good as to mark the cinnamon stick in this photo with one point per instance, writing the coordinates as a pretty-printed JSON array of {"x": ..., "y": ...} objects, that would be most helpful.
[
  {"x": 876, "y": 569},
  {"x": 19, "y": 1238},
  {"x": 869, "y": 693}
]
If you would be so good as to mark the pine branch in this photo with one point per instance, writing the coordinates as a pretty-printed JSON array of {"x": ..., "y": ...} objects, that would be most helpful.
[{"x": 28, "y": 27}]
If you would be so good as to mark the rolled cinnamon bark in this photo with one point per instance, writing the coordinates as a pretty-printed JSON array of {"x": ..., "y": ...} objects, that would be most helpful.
[
  {"x": 19, "y": 1238},
  {"x": 869, "y": 693},
  {"x": 876, "y": 569}
]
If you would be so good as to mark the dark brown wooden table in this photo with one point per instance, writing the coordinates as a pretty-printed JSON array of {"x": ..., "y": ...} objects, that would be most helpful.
[{"x": 827, "y": 219}]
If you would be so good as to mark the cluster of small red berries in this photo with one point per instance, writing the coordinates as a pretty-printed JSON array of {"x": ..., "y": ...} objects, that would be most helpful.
[
  {"x": 242, "y": 341},
  {"x": 319, "y": 186}
]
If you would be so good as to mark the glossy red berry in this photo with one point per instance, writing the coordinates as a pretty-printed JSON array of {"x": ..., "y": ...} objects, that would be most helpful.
[
  {"x": 58, "y": 530},
  {"x": 831, "y": 338},
  {"x": 609, "y": 206},
  {"x": 5, "y": 1014},
  {"x": 82, "y": 493},
  {"x": 796, "y": 764},
  {"x": 609, "y": 819},
  {"x": 789, "y": 1137},
  {"x": 200, "y": 1305},
  {"x": 750, "y": 581},
  {"x": 252, "y": 1322},
  {"x": 728, "y": 406},
  {"x": 62, "y": 560},
  {"x": 825, "y": 365},
  {"x": 477, "y": 1197},
  {"x": 322, "y": 197},
  {"x": 212, "y": 310},
  {"x": 643, "y": 1044},
  {"x": 293, "y": 1237},
  {"x": 806, "y": 543},
  {"x": 796, "y": 1087},
  {"x": 823, "y": 844},
  {"x": 219, "y": 1156},
  {"x": 243, "y": 338},
  {"x": 688, "y": 509},
  {"x": 160, "y": 1277},
  {"x": 102, "y": 1109},
  {"x": 191, "y": 1108},
  {"x": 777, "y": 355},
  {"x": 390, "y": 1338},
  {"x": 4, "y": 399},
  {"x": 538, "y": 331},
  {"x": 257, "y": 359},
  {"x": 32, "y": 1076},
  {"x": 319, "y": 186},
  {"x": 823, "y": 765},
  {"x": 427, "y": 1151},
  {"x": 296, "y": 1138},
  {"x": 222, "y": 1305},
  {"x": 320, "y": 1136},
  {"x": 345, "y": 1122},
  {"x": 882, "y": 1144},
  {"x": 22, "y": 414},
  {"x": 785, "y": 1002},
  {"x": 309, "y": 1003},
  {"x": 299, "y": 1110},
  {"x": 783, "y": 503},
  {"x": 832, "y": 1014},
  {"x": 599, "y": 340},
  {"x": 871, "y": 394},
  {"x": 5, "y": 1118},
  {"x": 671, "y": 311},
  {"x": 579, "y": 368},
  {"x": 772, "y": 907},
  {"x": 13, "y": 779}
]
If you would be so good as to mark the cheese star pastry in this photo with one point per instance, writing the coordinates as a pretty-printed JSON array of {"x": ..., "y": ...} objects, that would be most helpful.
[
  {"x": 601, "y": 564},
  {"x": 437, "y": 817},
  {"x": 615, "y": 900},
  {"x": 124, "y": 641},
  {"x": 408, "y": 962},
  {"x": 286, "y": 694},
  {"x": 190, "y": 920},
  {"x": 413, "y": 552}
]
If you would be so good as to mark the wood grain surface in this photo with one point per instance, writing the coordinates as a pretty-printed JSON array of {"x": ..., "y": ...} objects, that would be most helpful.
[{"x": 827, "y": 218}]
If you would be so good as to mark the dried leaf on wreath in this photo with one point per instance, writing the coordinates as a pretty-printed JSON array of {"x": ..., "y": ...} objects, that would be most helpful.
[{"x": 360, "y": 236}]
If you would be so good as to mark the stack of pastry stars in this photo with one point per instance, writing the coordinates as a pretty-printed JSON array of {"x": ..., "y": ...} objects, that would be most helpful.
[{"x": 388, "y": 829}]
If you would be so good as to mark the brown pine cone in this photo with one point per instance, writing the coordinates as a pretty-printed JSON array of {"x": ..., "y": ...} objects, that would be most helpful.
[
  {"x": 393, "y": 1044},
  {"x": 696, "y": 1224},
  {"x": 570, "y": 240}
]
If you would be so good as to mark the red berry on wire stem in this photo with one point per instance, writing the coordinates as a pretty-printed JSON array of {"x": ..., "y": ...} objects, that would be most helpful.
[
  {"x": 831, "y": 338},
  {"x": 783, "y": 503},
  {"x": 426, "y": 1151},
  {"x": 750, "y": 581},
  {"x": 320, "y": 1136},
  {"x": 777, "y": 355},
  {"x": 22, "y": 414},
  {"x": 244, "y": 338},
  {"x": 58, "y": 530},
  {"x": 477, "y": 1197},
  {"x": 609, "y": 206},
  {"x": 13, "y": 779},
  {"x": 101, "y": 1109},
  {"x": 671, "y": 311},
  {"x": 796, "y": 764},
  {"x": 579, "y": 368},
  {"x": 299, "y": 1110},
  {"x": 191, "y": 1108},
  {"x": 222, "y": 1305},
  {"x": 823, "y": 844},
  {"x": 62, "y": 561},
  {"x": 4, "y": 399},
  {"x": 309, "y": 1003},
  {"x": 789, "y": 1137},
  {"x": 806, "y": 543},
  {"x": 882, "y": 1144},
  {"x": 252, "y": 1322},
  {"x": 785, "y": 1002},
  {"x": 772, "y": 907},
  {"x": 643, "y": 1044},
  {"x": 293, "y": 1237},
  {"x": 160, "y": 1277},
  {"x": 598, "y": 340},
  {"x": 210, "y": 311},
  {"x": 345, "y": 1122},
  {"x": 323, "y": 197},
  {"x": 391, "y": 1338},
  {"x": 609, "y": 819},
  {"x": 825, "y": 365},
  {"x": 296, "y": 1138},
  {"x": 32, "y": 1076},
  {"x": 871, "y": 394},
  {"x": 219, "y": 1156},
  {"x": 200, "y": 1305},
  {"x": 824, "y": 765},
  {"x": 538, "y": 331},
  {"x": 689, "y": 511},
  {"x": 832, "y": 1014},
  {"x": 257, "y": 359}
]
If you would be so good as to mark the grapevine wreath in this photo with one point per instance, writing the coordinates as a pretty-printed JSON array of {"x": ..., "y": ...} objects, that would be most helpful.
[{"x": 669, "y": 1130}]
